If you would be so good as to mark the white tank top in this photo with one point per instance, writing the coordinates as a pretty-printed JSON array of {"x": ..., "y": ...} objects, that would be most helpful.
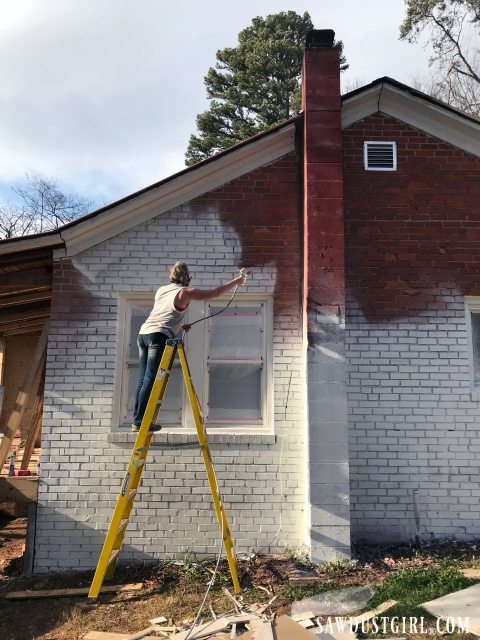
[{"x": 164, "y": 317}]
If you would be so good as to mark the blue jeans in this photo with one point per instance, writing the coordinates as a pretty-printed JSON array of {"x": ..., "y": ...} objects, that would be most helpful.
[{"x": 150, "y": 351}]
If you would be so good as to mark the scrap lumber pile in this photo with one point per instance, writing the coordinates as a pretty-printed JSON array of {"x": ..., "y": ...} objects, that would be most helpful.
[
  {"x": 226, "y": 627},
  {"x": 245, "y": 622},
  {"x": 258, "y": 622}
]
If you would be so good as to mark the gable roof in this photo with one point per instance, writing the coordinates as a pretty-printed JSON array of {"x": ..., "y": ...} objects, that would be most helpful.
[
  {"x": 384, "y": 95},
  {"x": 162, "y": 196},
  {"x": 414, "y": 108}
]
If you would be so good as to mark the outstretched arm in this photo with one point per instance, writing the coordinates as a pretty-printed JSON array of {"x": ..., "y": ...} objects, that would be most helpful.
[{"x": 188, "y": 294}]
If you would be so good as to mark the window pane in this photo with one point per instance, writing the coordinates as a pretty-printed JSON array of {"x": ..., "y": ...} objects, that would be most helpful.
[
  {"x": 476, "y": 347},
  {"x": 235, "y": 391},
  {"x": 171, "y": 410},
  {"x": 236, "y": 333}
]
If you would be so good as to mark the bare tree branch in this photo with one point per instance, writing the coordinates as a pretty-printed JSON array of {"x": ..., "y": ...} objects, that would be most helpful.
[
  {"x": 42, "y": 207},
  {"x": 455, "y": 65}
]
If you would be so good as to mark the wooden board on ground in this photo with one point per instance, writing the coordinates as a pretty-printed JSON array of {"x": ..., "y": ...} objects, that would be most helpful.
[
  {"x": 262, "y": 630},
  {"x": 214, "y": 626},
  {"x": 306, "y": 624},
  {"x": 104, "y": 635},
  {"x": 471, "y": 573},
  {"x": 460, "y": 604},
  {"x": 101, "y": 635},
  {"x": 141, "y": 635},
  {"x": 303, "y": 578},
  {"x": 368, "y": 615},
  {"x": 336, "y": 635},
  {"x": 65, "y": 593},
  {"x": 203, "y": 630},
  {"x": 284, "y": 628}
]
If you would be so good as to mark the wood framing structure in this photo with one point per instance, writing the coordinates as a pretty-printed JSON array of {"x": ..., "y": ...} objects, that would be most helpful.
[{"x": 25, "y": 291}]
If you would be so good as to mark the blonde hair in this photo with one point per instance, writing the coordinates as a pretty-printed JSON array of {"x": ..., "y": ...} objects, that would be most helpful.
[{"x": 180, "y": 274}]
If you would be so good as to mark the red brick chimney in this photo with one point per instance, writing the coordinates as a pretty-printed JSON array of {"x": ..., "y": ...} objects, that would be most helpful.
[
  {"x": 324, "y": 302},
  {"x": 323, "y": 174}
]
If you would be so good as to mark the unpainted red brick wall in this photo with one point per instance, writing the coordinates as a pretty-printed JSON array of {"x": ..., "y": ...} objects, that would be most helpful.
[
  {"x": 264, "y": 209},
  {"x": 411, "y": 232}
]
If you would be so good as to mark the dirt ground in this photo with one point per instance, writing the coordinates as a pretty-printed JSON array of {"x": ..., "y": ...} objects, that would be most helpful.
[{"x": 175, "y": 589}]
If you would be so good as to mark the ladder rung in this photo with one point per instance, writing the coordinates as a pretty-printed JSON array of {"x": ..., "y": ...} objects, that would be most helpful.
[
  {"x": 123, "y": 526},
  {"x": 132, "y": 494},
  {"x": 140, "y": 463},
  {"x": 113, "y": 556}
]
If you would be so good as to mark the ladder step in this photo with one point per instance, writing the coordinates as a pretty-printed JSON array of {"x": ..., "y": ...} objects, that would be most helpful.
[
  {"x": 132, "y": 495},
  {"x": 113, "y": 557},
  {"x": 123, "y": 526}
]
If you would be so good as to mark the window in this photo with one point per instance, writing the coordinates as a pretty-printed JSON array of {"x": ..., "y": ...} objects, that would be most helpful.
[
  {"x": 134, "y": 309},
  {"x": 472, "y": 308},
  {"x": 236, "y": 363},
  {"x": 380, "y": 156},
  {"x": 229, "y": 359}
]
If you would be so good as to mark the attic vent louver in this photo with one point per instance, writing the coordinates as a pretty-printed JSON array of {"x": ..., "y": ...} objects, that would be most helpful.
[{"x": 380, "y": 156}]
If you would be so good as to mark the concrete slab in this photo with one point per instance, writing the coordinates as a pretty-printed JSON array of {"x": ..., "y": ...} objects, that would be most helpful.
[{"x": 462, "y": 605}]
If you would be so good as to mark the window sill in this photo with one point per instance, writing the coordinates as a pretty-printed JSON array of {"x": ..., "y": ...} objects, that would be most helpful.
[{"x": 167, "y": 439}]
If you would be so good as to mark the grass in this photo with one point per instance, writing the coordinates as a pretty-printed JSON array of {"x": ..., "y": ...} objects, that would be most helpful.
[
  {"x": 410, "y": 587},
  {"x": 405, "y": 573}
]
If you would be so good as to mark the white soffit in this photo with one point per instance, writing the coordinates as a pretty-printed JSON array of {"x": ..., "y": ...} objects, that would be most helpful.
[
  {"x": 180, "y": 190},
  {"x": 414, "y": 111},
  {"x": 30, "y": 244}
]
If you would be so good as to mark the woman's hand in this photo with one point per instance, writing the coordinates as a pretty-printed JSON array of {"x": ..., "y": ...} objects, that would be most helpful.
[{"x": 186, "y": 327}]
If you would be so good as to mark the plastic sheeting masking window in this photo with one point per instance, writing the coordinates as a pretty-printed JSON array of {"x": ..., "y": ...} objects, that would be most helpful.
[{"x": 236, "y": 357}]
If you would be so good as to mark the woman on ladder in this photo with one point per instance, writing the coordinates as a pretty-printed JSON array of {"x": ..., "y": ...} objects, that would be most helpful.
[{"x": 164, "y": 323}]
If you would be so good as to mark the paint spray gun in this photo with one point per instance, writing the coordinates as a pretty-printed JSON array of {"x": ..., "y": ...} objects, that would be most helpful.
[{"x": 244, "y": 273}]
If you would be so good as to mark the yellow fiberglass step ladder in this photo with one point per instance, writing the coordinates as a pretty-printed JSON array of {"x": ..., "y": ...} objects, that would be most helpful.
[{"x": 116, "y": 531}]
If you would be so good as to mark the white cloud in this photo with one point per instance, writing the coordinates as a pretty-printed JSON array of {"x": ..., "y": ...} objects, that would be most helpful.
[{"x": 103, "y": 94}]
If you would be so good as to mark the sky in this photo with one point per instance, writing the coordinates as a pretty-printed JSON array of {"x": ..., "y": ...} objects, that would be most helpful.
[{"x": 102, "y": 95}]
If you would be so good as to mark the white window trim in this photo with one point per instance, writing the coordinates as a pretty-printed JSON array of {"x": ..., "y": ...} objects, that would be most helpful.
[
  {"x": 266, "y": 424},
  {"x": 196, "y": 348},
  {"x": 472, "y": 304},
  {"x": 379, "y": 142}
]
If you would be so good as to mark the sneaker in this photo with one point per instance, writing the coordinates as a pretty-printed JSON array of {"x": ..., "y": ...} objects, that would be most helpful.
[{"x": 153, "y": 428}]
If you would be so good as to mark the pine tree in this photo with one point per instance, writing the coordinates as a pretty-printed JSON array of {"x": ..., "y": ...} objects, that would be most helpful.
[{"x": 254, "y": 85}]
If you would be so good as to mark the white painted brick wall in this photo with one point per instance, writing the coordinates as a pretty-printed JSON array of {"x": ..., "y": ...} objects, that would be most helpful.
[
  {"x": 82, "y": 468},
  {"x": 414, "y": 425}
]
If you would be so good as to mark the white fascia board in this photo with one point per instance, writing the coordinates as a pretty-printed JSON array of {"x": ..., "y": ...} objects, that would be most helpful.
[
  {"x": 30, "y": 244},
  {"x": 181, "y": 190},
  {"x": 360, "y": 106},
  {"x": 416, "y": 112}
]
